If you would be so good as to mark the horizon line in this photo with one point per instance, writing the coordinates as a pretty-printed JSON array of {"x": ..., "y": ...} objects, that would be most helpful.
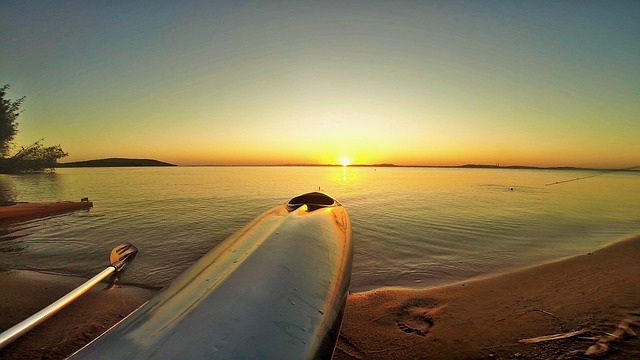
[{"x": 469, "y": 166}]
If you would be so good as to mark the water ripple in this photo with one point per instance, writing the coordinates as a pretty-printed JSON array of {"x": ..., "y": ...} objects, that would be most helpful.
[{"x": 411, "y": 227}]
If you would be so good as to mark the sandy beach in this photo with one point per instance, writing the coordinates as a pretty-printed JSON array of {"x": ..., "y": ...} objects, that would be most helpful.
[
  {"x": 590, "y": 301},
  {"x": 596, "y": 294},
  {"x": 26, "y": 292}
]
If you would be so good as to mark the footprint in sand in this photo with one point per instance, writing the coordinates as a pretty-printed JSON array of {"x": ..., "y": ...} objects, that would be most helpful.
[{"x": 414, "y": 317}]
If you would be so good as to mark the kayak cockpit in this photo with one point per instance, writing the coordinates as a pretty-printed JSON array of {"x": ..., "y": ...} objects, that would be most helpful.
[{"x": 313, "y": 200}]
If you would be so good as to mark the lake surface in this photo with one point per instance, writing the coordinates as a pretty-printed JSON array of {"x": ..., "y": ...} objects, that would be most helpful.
[{"x": 412, "y": 227}]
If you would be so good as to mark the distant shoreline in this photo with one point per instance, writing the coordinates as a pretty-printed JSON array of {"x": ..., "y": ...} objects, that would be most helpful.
[
  {"x": 115, "y": 162},
  {"x": 126, "y": 162},
  {"x": 466, "y": 166}
]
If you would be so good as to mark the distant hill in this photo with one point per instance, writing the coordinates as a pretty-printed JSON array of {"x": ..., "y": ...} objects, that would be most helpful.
[
  {"x": 115, "y": 162},
  {"x": 482, "y": 166}
]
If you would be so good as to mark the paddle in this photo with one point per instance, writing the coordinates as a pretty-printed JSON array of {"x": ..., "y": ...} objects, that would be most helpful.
[{"x": 118, "y": 259}]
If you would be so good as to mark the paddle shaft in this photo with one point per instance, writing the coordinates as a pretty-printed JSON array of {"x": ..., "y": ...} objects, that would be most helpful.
[{"x": 19, "y": 329}]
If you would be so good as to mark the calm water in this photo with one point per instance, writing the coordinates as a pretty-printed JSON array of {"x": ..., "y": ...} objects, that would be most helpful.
[{"x": 411, "y": 226}]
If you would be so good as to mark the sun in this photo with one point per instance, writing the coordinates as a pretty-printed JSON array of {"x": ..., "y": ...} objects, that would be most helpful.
[{"x": 345, "y": 161}]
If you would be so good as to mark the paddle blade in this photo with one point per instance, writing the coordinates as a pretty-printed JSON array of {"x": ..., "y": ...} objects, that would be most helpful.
[{"x": 121, "y": 254}]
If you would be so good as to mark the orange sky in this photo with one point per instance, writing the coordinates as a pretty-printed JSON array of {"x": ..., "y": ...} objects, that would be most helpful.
[{"x": 545, "y": 84}]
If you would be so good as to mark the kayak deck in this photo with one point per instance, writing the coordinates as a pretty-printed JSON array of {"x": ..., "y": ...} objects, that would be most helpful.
[
  {"x": 27, "y": 209},
  {"x": 276, "y": 289}
]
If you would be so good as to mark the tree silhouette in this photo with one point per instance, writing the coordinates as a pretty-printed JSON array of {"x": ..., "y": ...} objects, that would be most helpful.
[
  {"x": 33, "y": 158},
  {"x": 9, "y": 112}
]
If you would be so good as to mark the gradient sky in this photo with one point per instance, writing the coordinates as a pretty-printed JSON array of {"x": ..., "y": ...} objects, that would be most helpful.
[{"x": 424, "y": 83}]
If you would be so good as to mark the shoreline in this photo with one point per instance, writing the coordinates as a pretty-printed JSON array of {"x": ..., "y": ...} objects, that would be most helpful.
[
  {"x": 482, "y": 317},
  {"x": 598, "y": 293}
]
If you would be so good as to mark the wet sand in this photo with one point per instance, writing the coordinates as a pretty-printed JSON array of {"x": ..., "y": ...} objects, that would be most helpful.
[
  {"x": 25, "y": 293},
  {"x": 486, "y": 318},
  {"x": 597, "y": 294}
]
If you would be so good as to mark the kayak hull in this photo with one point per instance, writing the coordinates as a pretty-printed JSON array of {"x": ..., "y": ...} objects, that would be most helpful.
[
  {"x": 276, "y": 289},
  {"x": 29, "y": 209}
]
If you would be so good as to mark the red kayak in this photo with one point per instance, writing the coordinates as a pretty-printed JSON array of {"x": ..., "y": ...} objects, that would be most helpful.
[{"x": 26, "y": 209}]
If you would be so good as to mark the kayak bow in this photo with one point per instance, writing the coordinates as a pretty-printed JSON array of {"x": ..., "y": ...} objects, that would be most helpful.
[{"x": 276, "y": 289}]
